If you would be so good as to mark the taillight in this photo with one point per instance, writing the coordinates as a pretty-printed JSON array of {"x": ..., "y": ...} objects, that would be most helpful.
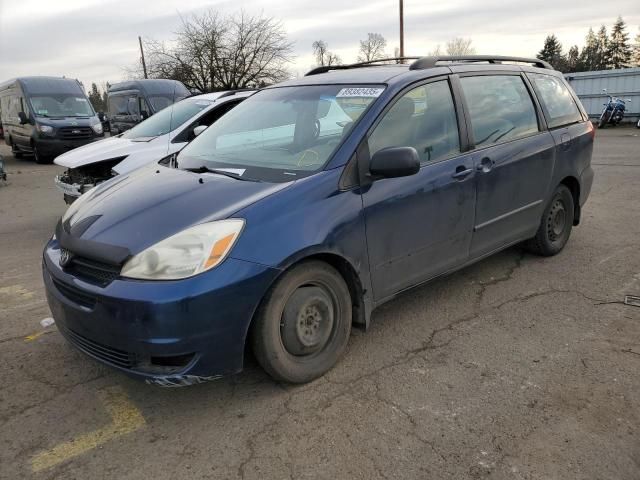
[{"x": 591, "y": 129}]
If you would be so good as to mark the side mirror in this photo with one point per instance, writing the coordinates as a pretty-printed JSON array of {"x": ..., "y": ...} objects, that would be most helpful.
[
  {"x": 393, "y": 162},
  {"x": 199, "y": 129},
  {"x": 23, "y": 118},
  {"x": 101, "y": 116},
  {"x": 144, "y": 114}
]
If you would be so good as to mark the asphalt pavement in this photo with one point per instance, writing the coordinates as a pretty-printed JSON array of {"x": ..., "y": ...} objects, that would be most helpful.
[{"x": 518, "y": 367}]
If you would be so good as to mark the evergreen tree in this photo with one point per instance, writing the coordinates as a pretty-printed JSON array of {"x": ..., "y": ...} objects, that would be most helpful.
[
  {"x": 588, "y": 60},
  {"x": 552, "y": 52},
  {"x": 635, "y": 60},
  {"x": 573, "y": 60},
  {"x": 618, "y": 52},
  {"x": 96, "y": 99},
  {"x": 600, "y": 57}
]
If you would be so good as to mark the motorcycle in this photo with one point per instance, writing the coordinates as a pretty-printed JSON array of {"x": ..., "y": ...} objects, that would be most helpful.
[{"x": 613, "y": 111}]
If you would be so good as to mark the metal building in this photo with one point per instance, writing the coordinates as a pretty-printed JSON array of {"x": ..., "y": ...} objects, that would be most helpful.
[{"x": 623, "y": 83}]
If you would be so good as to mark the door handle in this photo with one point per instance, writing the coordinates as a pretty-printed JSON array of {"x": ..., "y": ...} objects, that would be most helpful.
[
  {"x": 462, "y": 172},
  {"x": 485, "y": 165}
]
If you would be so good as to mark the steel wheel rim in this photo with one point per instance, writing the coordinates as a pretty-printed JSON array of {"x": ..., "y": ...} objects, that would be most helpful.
[
  {"x": 557, "y": 220},
  {"x": 308, "y": 325}
]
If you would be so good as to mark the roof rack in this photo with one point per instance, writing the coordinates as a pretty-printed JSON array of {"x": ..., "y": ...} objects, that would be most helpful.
[
  {"x": 430, "y": 62},
  {"x": 372, "y": 63},
  {"x": 233, "y": 92}
]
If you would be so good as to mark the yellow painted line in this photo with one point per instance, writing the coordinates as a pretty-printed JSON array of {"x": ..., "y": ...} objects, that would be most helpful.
[
  {"x": 33, "y": 336},
  {"x": 125, "y": 418},
  {"x": 16, "y": 290}
]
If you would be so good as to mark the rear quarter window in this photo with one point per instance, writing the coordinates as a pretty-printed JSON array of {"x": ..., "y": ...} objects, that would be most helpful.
[{"x": 559, "y": 105}]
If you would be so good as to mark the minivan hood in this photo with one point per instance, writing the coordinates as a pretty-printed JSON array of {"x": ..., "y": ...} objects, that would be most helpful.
[
  {"x": 134, "y": 211},
  {"x": 112, "y": 147}
]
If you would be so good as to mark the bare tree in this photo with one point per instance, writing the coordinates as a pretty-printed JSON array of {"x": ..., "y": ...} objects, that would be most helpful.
[
  {"x": 460, "y": 46},
  {"x": 372, "y": 48},
  {"x": 323, "y": 56},
  {"x": 436, "y": 52},
  {"x": 213, "y": 52}
]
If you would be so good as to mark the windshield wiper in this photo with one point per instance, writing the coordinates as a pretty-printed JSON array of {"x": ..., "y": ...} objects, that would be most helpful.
[{"x": 204, "y": 169}]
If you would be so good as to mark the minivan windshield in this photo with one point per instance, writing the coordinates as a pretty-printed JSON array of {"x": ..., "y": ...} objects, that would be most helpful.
[
  {"x": 168, "y": 119},
  {"x": 61, "y": 105},
  {"x": 280, "y": 134}
]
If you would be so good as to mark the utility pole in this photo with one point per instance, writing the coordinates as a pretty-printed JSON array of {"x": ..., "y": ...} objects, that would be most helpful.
[
  {"x": 144, "y": 65},
  {"x": 402, "y": 28}
]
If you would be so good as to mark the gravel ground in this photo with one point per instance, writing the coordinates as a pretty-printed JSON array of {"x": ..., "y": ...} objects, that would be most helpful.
[{"x": 518, "y": 367}]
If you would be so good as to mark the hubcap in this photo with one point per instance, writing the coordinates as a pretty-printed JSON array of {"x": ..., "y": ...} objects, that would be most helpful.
[{"x": 307, "y": 320}]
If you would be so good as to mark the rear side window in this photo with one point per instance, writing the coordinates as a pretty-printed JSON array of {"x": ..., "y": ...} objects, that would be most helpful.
[
  {"x": 500, "y": 108},
  {"x": 425, "y": 119},
  {"x": 560, "y": 107}
]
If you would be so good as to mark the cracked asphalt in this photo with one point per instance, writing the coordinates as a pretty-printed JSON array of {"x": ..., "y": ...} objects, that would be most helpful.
[{"x": 518, "y": 367}]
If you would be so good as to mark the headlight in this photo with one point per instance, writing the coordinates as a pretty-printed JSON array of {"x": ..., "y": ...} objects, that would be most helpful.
[
  {"x": 46, "y": 129},
  {"x": 97, "y": 128},
  {"x": 188, "y": 253}
]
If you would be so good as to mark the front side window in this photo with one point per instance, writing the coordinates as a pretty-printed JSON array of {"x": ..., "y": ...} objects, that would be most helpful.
[
  {"x": 63, "y": 105},
  {"x": 280, "y": 134},
  {"x": 168, "y": 119},
  {"x": 425, "y": 119},
  {"x": 560, "y": 106},
  {"x": 500, "y": 108}
]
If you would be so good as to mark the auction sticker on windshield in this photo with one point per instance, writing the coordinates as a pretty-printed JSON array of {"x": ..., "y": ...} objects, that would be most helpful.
[{"x": 360, "y": 92}]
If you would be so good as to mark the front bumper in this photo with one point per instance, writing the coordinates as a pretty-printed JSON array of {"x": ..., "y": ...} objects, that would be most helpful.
[
  {"x": 169, "y": 333},
  {"x": 71, "y": 189},
  {"x": 52, "y": 147}
]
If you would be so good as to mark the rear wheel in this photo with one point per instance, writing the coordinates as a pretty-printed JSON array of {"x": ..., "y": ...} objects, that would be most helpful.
[
  {"x": 303, "y": 326},
  {"x": 556, "y": 224},
  {"x": 15, "y": 151}
]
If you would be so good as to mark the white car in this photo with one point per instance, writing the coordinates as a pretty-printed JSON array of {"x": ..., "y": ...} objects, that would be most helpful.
[{"x": 159, "y": 136}]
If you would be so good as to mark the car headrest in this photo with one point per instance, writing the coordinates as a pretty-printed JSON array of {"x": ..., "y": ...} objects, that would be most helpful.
[{"x": 403, "y": 109}]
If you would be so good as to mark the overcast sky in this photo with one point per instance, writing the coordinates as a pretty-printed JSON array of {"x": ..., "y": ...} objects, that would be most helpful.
[{"x": 94, "y": 39}]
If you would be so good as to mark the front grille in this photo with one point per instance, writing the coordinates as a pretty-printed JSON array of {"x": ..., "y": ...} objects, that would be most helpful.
[
  {"x": 110, "y": 355},
  {"x": 76, "y": 295},
  {"x": 76, "y": 133},
  {"x": 94, "y": 272}
]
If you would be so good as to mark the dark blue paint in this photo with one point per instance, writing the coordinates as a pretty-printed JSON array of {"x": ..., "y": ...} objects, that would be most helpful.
[{"x": 392, "y": 233}]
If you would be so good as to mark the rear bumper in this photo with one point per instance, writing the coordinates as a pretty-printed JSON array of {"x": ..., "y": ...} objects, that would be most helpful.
[
  {"x": 586, "y": 182},
  {"x": 169, "y": 333}
]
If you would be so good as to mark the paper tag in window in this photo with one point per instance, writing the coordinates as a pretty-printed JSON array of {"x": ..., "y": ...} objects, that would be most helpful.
[{"x": 365, "y": 92}]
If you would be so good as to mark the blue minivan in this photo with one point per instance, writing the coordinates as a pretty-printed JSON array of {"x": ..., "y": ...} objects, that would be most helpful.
[{"x": 309, "y": 205}]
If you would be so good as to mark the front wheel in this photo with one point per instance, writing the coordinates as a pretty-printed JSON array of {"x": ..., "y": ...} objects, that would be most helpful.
[
  {"x": 302, "y": 327},
  {"x": 555, "y": 225},
  {"x": 39, "y": 157}
]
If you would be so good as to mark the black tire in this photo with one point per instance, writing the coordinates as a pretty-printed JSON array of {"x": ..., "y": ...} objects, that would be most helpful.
[
  {"x": 303, "y": 325},
  {"x": 15, "y": 151},
  {"x": 39, "y": 158},
  {"x": 556, "y": 224}
]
